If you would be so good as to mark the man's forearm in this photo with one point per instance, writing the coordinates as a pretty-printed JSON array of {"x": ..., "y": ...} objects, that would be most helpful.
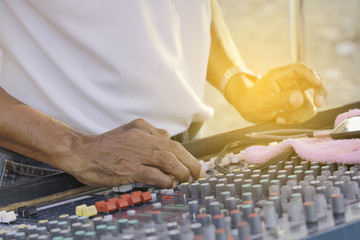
[
  {"x": 29, "y": 132},
  {"x": 223, "y": 52},
  {"x": 136, "y": 151}
]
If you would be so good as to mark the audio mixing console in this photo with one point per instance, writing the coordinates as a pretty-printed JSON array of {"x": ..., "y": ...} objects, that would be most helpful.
[{"x": 287, "y": 198}]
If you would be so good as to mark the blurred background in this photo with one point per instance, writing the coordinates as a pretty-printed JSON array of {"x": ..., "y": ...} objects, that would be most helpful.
[{"x": 260, "y": 29}]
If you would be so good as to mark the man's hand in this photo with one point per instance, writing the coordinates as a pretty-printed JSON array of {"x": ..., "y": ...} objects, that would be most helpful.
[
  {"x": 280, "y": 95},
  {"x": 135, "y": 152}
]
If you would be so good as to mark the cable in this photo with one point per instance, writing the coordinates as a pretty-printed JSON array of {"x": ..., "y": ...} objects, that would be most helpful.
[{"x": 281, "y": 134}]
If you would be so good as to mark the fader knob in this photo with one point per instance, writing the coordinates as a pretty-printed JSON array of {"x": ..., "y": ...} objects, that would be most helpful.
[
  {"x": 265, "y": 176},
  {"x": 238, "y": 183},
  {"x": 255, "y": 178},
  {"x": 240, "y": 176},
  {"x": 204, "y": 190},
  {"x": 272, "y": 174},
  {"x": 224, "y": 196},
  {"x": 174, "y": 234},
  {"x": 255, "y": 223},
  {"x": 202, "y": 180},
  {"x": 296, "y": 160},
  {"x": 230, "y": 177},
  {"x": 209, "y": 232},
  {"x": 53, "y": 224},
  {"x": 342, "y": 169},
  {"x": 341, "y": 186},
  {"x": 220, "y": 234},
  {"x": 158, "y": 217},
  {"x": 299, "y": 174},
  {"x": 310, "y": 212},
  {"x": 195, "y": 190},
  {"x": 247, "y": 173},
  {"x": 353, "y": 191},
  {"x": 269, "y": 214},
  {"x": 316, "y": 170},
  {"x": 286, "y": 193},
  {"x": 214, "y": 208},
  {"x": 122, "y": 224},
  {"x": 272, "y": 167},
  {"x": 356, "y": 179},
  {"x": 277, "y": 204},
  {"x": 76, "y": 227},
  {"x": 245, "y": 188},
  {"x": 193, "y": 209},
  {"x": 243, "y": 230},
  {"x": 196, "y": 228},
  {"x": 219, "y": 175},
  {"x": 309, "y": 194},
  {"x": 282, "y": 179},
  {"x": 247, "y": 209},
  {"x": 41, "y": 230},
  {"x": 293, "y": 178},
  {"x": 320, "y": 205},
  {"x": 305, "y": 165},
  {"x": 309, "y": 178},
  {"x": 208, "y": 200},
  {"x": 293, "y": 212},
  {"x": 337, "y": 203},
  {"x": 257, "y": 192},
  {"x": 231, "y": 189},
  {"x": 230, "y": 203},
  {"x": 185, "y": 190},
  {"x": 326, "y": 173},
  {"x": 20, "y": 236},
  {"x": 248, "y": 181},
  {"x": 235, "y": 216},
  {"x": 282, "y": 172},
  {"x": 204, "y": 219},
  {"x": 188, "y": 235},
  {"x": 265, "y": 186},
  {"x": 219, "y": 221},
  {"x": 332, "y": 166},
  {"x": 247, "y": 196},
  {"x": 289, "y": 170},
  {"x": 219, "y": 189}
]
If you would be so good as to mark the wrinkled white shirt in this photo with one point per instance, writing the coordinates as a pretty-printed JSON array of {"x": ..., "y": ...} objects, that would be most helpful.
[{"x": 96, "y": 65}]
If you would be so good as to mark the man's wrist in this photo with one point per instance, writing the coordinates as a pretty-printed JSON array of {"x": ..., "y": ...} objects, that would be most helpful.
[
  {"x": 68, "y": 149},
  {"x": 236, "y": 70}
]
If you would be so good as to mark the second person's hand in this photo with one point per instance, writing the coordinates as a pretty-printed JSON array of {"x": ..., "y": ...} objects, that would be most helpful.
[{"x": 280, "y": 95}]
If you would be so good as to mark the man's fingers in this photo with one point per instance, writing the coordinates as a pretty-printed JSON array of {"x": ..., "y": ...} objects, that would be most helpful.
[
  {"x": 154, "y": 176},
  {"x": 320, "y": 94},
  {"x": 289, "y": 100},
  {"x": 296, "y": 76},
  {"x": 305, "y": 72},
  {"x": 169, "y": 156},
  {"x": 183, "y": 156},
  {"x": 187, "y": 159},
  {"x": 169, "y": 164},
  {"x": 298, "y": 115}
]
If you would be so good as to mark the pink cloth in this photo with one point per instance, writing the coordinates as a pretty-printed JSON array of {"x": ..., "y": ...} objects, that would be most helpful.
[{"x": 313, "y": 149}]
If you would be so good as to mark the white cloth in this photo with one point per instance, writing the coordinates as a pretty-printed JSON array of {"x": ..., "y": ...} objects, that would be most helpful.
[{"x": 96, "y": 65}]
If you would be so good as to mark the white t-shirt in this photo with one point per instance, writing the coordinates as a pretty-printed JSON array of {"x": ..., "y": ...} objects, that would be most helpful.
[{"x": 96, "y": 65}]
